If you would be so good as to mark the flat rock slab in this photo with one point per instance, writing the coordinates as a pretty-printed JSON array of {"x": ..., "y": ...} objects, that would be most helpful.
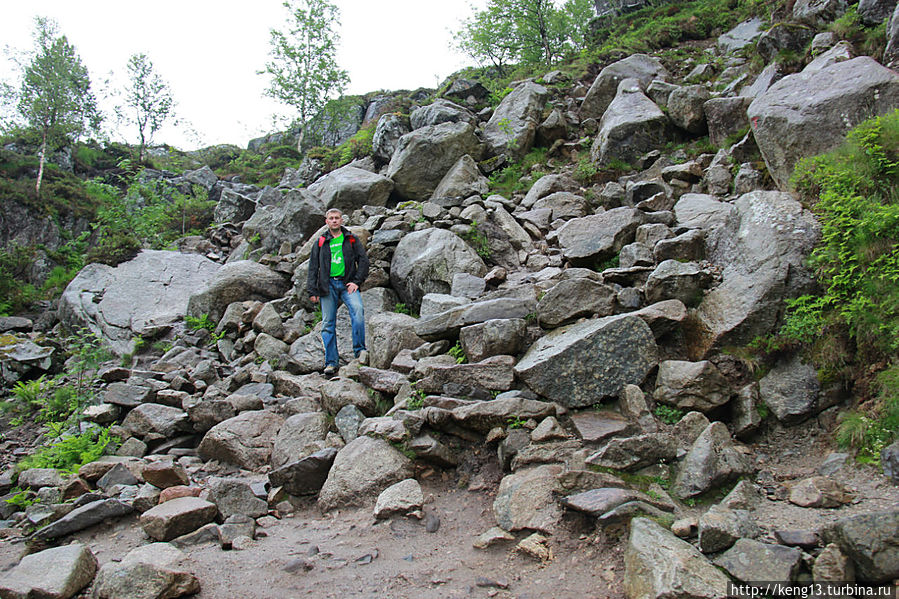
[
  {"x": 750, "y": 560},
  {"x": 179, "y": 516},
  {"x": 305, "y": 476},
  {"x": 594, "y": 427},
  {"x": 84, "y": 517},
  {"x": 56, "y": 573},
  {"x": 597, "y": 502}
]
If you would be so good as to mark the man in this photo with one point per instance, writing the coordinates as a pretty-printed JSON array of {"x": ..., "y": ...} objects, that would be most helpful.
[{"x": 337, "y": 267}]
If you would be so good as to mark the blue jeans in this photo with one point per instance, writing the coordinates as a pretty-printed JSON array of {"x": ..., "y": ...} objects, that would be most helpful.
[{"x": 338, "y": 294}]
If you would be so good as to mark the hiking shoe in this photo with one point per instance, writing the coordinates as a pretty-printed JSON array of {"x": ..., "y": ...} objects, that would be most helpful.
[
  {"x": 363, "y": 357},
  {"x": 329, "y": 370}
]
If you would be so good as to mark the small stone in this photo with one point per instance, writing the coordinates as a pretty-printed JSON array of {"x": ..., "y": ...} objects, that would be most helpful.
[
  {"x": 492, "y": 537},
  {"x": 536, "y": 546},
  {"x": 685, "y": 527}
]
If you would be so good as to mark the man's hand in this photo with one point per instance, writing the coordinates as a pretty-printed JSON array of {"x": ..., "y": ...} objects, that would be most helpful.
[
  {"x": 352, "y": 287},
  {"x": 313, "y": 299}
]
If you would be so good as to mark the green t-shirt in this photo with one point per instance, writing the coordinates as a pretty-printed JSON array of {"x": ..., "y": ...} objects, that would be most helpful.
[{"x": 337, "y": 265}]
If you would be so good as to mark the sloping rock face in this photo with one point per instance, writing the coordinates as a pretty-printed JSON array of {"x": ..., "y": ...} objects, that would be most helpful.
[
  {"x": 245, "y": 440},
  {"x": 348, "y": 188},
  {"x": 762, "y": 250},
  {"x": 578, "y": 365},
  {"x": 57, "y": 573},
  {"x": 512, "y": 127},
  {"x": 810, "y": 112},
  {"x": 636, "y": 66},
  {"x": 423, "y": 157},
  {"x": 426, "y": 261},
  {"x": 143, "y": 296}
]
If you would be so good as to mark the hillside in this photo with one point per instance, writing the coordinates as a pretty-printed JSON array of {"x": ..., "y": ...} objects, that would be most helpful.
[{"x": 630, "y": 324}]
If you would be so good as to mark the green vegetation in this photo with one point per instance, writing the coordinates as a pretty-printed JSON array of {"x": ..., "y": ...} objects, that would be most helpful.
[
  {"x": 510, "y": 179},
  {"x": 70, "y": 453},
  {"x": 515, "y": 422},
  {"x": 477, "y": 240},
  {"x": 458, "y": 353},
  {"x": 416, "y": 398},
  {"x": 668, "y": 414}
]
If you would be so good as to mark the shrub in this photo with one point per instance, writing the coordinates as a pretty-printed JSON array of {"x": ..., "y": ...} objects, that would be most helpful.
[{"x": 70, "y": 453}]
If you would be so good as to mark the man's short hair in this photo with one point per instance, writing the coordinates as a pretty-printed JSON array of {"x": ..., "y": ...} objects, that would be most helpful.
[{"x": 332, "y": 211}]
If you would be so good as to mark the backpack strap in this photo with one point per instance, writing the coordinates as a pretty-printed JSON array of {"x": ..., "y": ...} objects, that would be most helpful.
[{"x": 321, "y": 241}]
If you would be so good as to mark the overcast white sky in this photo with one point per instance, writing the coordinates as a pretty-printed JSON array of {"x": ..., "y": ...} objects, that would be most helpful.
[{"x": 210, "y": 50}]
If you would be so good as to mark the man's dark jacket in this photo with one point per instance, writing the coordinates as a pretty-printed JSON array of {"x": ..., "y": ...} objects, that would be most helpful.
[{"x": 354, "y": 257}]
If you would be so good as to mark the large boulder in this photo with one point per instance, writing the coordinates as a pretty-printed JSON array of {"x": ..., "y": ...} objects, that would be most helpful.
[
  {"x": 245, "y": 440},
  {"x": 872, "y": 541},
  {"x": 299, "y": 215},
  {"x": 792, "y": 391},
  {"x": 657, "y": 565},
  {"x": 425, "y": 262},
  {"x": 810, "y": 112},
  {"x": 818, "y": 13},
  {"x": 761, "y": 252},
  {"x": 575, "y": 298},
  {"x": 147, "y": 572},
  {"x": 513, "y": 125},
  {"x": 598, "y": 237},
  {"x": 349, "y": 188},
  {"x": 299, "y": 436},
  {"x": 631, "y": 126},
  {"x": 740, "y": 36},
  {"x": 424, "y": 156},
  {"x": 641, "y": 67},
  {"x": 579, "y": 365},
  {"x": 387, "y": 334},
  {"x": 713, "y": 460},
  {"x": 235, "y": 282},
  {"x": 55, "y": 573},
  {"x": 441, "y": 111},
  {"x": 526, "y": 500},
  {"x": 143, "y": 296},
  {"x": 362, "y": 469},
  {"x": 447, "y": 324},
  {"x": 691, "y": 385},
  {"x": 391, "y": 127},
  {"x": 462, "y": 181}
]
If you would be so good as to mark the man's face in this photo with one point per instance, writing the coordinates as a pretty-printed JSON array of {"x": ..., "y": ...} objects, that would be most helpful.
[{"x": 334, "y": 220}]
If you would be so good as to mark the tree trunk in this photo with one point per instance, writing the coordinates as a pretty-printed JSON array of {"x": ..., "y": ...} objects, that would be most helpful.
[{"x": 40, "y": 170}]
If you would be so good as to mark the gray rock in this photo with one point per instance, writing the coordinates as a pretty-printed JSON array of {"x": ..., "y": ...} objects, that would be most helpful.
[
  {"x": 762, "y": 251},
  {"x": 889, "y": 460},
  {"x": 83, "y": 517},
  {"x": 441, "y": 111},
  {"x": 298, "y": 437},
  {"x": 305, "y": 476},
  {"x": 832, "y": 565},
  {"x": 491, "y": 374},
  {"x": 597, "y": 502},
  {"x": 631, "y": 453},
  {"x": 292, "y": 220},
  {"x": 749, "y": 560},
  {"x": 740, "y": 36},
  {"x": 390, "y": 128},
  {"x": 234, "y": 496},
  {"x": 447, "y": 324},
  {"x": 348, "y": 420},
  {"x": 663, "y": 317},
  {"x": 513, "y": 126},
  {"x": 127, "y": 395},
  {"x": 55, "y": 573},
  {"x": 658, "y": 564},
  {"x": 361, "y": 470},
  {"x": 245, "y": 440},
  {"x": 631, "y": 126},
  {"x": 890, "y": 52},
  {"x": 349, "y": 188},
  {"x": 38, "y": 478},
  {"x": 425, "y": 262},
  {"x": 870, "y": 541},
  {"x": 721, "y": 527},
  {"x": 745, "y": 417},
  {"x": 818, "y": 12},
  {"x": 431, "y": 450},
  {"x": 387, "y": 334},
  {"x": 874, "y": 12},
  {"x": 165, "y": 474},
  {"x": 147, "y": 572},
  {"x": 713, "y": 460},
  {"x": 233, "y": 207},
  {"x": 684, "y": 281},
  {"x": 152, "y": 418},
  {"x": 526, "y": 500},
  {"x": 462, "y": 180},
  {"x": 340, "y": 392},
  {"x": 726, "y": 117},
  {"x": 792, "y": 37},
  {"x": 791, "y": 390},
  {"x": 594, "y": 426},
  {"x": 235, "y": 282},
  {"x": 686, "y": 247},
  {"x": 820, "y": 491},
  {"x": 400, "y": 498},
  {"x": 424, "y": 156},
  {"x": 547, "y": 185},
  {"x": 574, "y": 298},
  {"x": 809, "y": 113},
  {"x": 598, "y": 237},
  {"x": 117, "y": 475},
  {"x": 701, "y": 211},
  {"x": 140, "y": 297},
  {"x": 563, "y": 366},
  {"x": 177, "y": 517},
  {"x": 604, "y": 88},
  {"x": 685, "y": 107},
  {"x": 691, "y": 385},
  {"x": 499, "y": 336},
  {"x": 484, "y": 415}
]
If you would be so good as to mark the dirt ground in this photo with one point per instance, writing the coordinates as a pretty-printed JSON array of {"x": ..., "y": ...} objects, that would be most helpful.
[{"x": 350, "y": 554}]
